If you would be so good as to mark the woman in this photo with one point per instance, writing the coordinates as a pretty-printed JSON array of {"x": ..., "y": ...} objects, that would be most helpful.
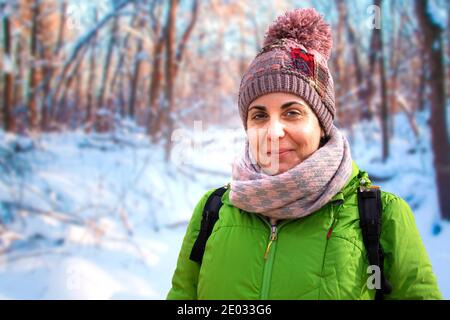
[{"x": 289, "y": 226}]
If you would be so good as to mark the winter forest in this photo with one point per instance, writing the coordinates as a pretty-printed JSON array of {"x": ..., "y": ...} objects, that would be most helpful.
[{"x": 116, "y": 116}]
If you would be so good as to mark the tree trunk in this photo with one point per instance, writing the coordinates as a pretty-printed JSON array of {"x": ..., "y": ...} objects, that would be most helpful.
[
  {"x": 8, "y": 79},
  {"x": 122, "y": 101},
  {"x": 384, "y": 98},
  {"x": 374, "y": 50},
  {"x": 359, "y": 72},
  {"x": 156, "y": 77},
  {"x": 421, "y": 97},
  {"x": 186, "y": 35},
  {"x": 18, "y": 88},
  {"x": 137, "y": 67},
  {"x": 119, "y": 67},
  {"x": 433, "y": 45},
  {"x": 106, "y": 65},
  {"x": 135, "y": 80},
  {"x": 377, "y": 57},
  {"x": 448, "y": 47},
  {"x": 77, "y": 110},
  {"x": 394, "y": 65},
  {"x": 155, "y": 85},
  {"x": 170, "y": 69},
  {"x": 49, "y": 70},
  {"x": 91, "y": 81},
  {"x": 63, "y": 108},
  {"x": 340, "y": 84},
  {"x": 173, "y": 61},
  {"x": 101, "y": 122},
  {"x": 33, "y": 75}
]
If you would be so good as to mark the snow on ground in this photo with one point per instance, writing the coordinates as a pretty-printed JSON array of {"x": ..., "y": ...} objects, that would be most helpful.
[{"x": 103, "y": 216}]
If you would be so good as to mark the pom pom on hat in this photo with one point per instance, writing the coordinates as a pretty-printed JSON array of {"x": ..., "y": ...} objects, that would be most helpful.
[{"x": 305, "y": 26}]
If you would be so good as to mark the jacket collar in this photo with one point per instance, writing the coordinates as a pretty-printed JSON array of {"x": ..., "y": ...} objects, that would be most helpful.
[{"x": 351, "y": 186}]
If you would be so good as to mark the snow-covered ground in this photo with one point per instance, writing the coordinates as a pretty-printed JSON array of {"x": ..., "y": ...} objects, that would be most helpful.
[{"x": 103, "y": 216}]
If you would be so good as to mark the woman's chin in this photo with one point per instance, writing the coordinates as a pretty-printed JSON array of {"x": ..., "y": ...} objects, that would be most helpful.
[
  {"x": 278, "y": 168},
  {"x": 284, "y": 168}
]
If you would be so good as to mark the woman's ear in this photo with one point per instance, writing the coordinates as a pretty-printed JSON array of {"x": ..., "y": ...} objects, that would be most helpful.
[{"x": 322, "y": 133}]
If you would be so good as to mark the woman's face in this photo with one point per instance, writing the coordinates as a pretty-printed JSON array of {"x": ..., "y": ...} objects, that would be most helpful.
[{"x": 282, "y": 131}]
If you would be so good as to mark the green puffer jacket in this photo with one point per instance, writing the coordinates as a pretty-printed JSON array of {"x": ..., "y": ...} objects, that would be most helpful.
[{"x": 303, "y": 262}]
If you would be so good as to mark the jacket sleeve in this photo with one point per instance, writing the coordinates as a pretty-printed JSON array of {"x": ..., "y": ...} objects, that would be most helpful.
[
  {"x": 185, "y": 278},
  {"x": 407, "y": 265}
]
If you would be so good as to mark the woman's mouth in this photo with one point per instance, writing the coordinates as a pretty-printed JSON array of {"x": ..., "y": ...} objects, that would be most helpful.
[{"x": 280, "y": 153}]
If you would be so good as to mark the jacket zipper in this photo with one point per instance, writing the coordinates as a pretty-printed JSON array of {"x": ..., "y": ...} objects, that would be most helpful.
[
  {"x": 273, "y": 237},
  {"x": 268, "y": 262},
  {"x": 271, "y": 248},
  {"x": 268, "y": 257}
]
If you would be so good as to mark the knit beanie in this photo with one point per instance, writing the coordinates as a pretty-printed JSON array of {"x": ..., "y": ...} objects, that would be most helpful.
[{"x": 293, "y": 59}]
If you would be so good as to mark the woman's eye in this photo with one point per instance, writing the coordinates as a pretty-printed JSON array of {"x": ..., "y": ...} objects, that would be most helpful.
[
  {"x": 259, "y": 116},
  {"x": 293, "y": 114}
]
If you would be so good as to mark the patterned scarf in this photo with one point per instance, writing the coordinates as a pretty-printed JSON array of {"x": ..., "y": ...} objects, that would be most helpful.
[{"x": 297, "y": 192}]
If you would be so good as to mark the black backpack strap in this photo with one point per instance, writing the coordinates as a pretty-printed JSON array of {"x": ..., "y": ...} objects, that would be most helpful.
[
  {"x": 370, "y": 210},
  {"x": 209, "y": 218}
]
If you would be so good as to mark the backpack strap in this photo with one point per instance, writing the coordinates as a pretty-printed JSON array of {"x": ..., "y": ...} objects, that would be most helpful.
[
  {"x": 209, "y": 218},
  {"x": 370, "y": 210}
]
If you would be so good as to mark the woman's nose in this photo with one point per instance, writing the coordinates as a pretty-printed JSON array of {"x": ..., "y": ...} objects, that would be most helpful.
[{"x": 276, "y": 129}]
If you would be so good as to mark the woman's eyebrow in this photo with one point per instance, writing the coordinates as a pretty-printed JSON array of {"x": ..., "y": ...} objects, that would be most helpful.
[
  {"x": 288, "y": 104},
  {"x": 262, "y": 108},
  {"x": 283, "y": 106}
]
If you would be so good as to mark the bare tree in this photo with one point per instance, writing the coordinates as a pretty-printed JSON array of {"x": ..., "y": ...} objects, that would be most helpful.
[
  {"x": 157, "y": 76},
  {"x": 376, "y": 59},
  {"x": 8, "y": 73},
  {"x": 62, "y": 109},
  {"x": 107, "y": 62},
  {"x": 170, "y": 73},
  {"x": 360, "y": 83},
  {"x": 49, "y": 68},
  {"x": 79, "y": 48},
  {"x": 33, "y": 73},
  {"x": 137, "y": 65},
  {"x": 186, "y": 35},
  {"x": 339, "y": 60},
  {"x": 384, "y": 90},
  {"x": 118, "y": 76},
  {"x": 89, "y": 119},
  {"x": 17, "y": 100},
  {"x": 433, "y": 46},
  {"x": 174, "y": 56},
  {"x": 173, "y": 61}
]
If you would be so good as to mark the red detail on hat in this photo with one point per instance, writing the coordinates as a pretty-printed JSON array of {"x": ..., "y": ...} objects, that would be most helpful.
[{"x": 303, "y": 61}]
